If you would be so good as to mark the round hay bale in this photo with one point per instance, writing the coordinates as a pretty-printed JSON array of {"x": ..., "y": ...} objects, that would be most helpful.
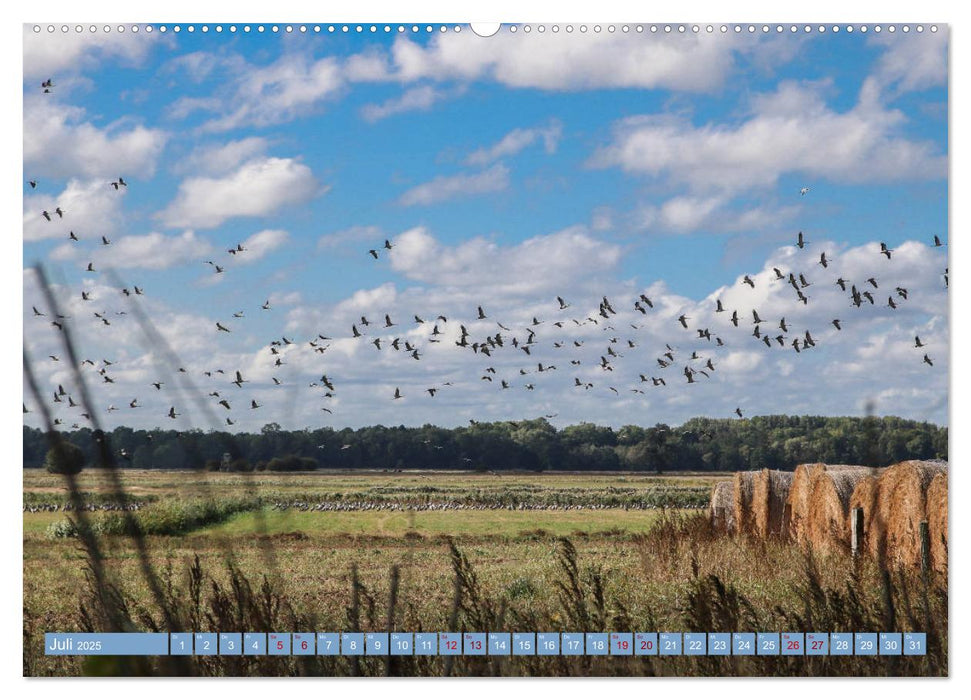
[
  {"x": 799, "y": 492},
  {"x": 770, "y": 494},
  {"x": 827, "y": 518},
  {"x": 902, "y": 501},
  {"x": 721, "y": 509},
  {"x": 742, "y": 491},
  {"x": 866, "y": 496},
  {"x": 799, "y": 500},
  {"x": 937, "y": 521}
]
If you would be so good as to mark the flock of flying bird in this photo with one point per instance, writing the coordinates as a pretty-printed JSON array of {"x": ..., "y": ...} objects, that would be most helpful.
[
  {"x": 668, "y": 364},
  {"x": 504, "y": 339}
]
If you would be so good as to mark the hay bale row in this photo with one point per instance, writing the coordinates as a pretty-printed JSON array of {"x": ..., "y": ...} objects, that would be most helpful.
[
  {"x": 813, "y": 506},
  {"x": 721, "y": 509},
  {"x": 937, "y": 520}
]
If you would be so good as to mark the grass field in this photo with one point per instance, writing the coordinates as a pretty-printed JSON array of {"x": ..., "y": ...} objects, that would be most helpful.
[{"x": 251, "y": 565}]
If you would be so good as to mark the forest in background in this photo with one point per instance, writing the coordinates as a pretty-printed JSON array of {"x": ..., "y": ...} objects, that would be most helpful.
[{"x": 700, "y": 444}]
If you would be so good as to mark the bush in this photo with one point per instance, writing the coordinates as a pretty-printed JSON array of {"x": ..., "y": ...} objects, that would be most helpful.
[
  {"x": 291, "y": 463},
  {"x": 60, "y": 529},
  {"x": 64, "y": 458}
]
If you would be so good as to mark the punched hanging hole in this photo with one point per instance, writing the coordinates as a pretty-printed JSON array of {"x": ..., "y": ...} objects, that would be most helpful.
[{"x": 485, "y": 29}]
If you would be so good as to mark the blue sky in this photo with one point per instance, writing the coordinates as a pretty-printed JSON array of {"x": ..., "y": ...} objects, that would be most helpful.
[{"x": 506, "y": 171}]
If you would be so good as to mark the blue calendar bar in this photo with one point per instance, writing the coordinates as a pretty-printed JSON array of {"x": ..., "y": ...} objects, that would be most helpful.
[
  {"x": 615, "y": 644},
  {"x": 106, "y": 644}
]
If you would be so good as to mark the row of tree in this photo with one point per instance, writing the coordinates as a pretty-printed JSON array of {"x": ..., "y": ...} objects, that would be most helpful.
[{"x": 700, "y": 444}]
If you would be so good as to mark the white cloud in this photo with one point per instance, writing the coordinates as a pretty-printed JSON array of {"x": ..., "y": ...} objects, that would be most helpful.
[
  {"x": 419, "y": 98},
  {"x": 290, "y": 87},
  {"x": 91, "y": 209},
  {"x": 443, "y": 187},
  {"x": 218, "y": 159},
  {"x": 54, "y": 55},
  {"x": 541, "y": 263},
  {"x": 790, "y": 131},
  {"x": 261, "y": 244},
  {"x": 152, "y": 251},
  {"x": 257, "y": 188},
  {"x": 59, "y": 143},
  {"x": 515, "y": 141},
  {"x": 688, "y": 213},
  {"x": 912, "y": 61},
  {"x": 577, "y": 61}
]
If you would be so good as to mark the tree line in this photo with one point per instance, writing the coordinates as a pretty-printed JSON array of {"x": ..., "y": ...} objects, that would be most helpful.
[{"x": 700, "y": 444}]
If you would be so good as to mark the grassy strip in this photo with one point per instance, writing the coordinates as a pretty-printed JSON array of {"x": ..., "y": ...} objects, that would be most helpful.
[
  {"x": 168, "y": 518},
  {"x": 40, "y": 500}
]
